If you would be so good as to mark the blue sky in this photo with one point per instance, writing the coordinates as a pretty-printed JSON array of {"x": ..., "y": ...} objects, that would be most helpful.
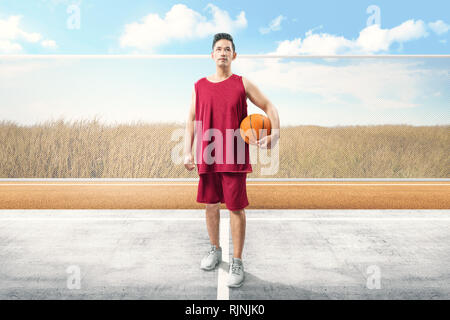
[
  {"x": 103, "y": 23},
  {"x": 305, "y": 91}
]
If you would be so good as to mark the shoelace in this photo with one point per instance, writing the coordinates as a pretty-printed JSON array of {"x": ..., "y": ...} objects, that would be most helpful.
[
  {"x": 213, "y": 249},
  {"x": 235, "y": 268}
]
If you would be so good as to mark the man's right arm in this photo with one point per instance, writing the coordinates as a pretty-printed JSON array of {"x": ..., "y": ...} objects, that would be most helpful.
[{"x": 189, "y": 134}]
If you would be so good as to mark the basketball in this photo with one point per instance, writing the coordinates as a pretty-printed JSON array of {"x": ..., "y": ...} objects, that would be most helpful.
[{"x": 255, "y": 127}]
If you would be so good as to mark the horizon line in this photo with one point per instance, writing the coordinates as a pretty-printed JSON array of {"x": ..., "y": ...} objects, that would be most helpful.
[
  {"x": 202, "y": 56},
  {"x": 178, "y": 123},
  {"x": 196, "y": 179}
]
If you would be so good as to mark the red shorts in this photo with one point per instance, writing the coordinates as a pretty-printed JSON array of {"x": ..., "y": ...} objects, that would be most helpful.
[{"x": 225, "y": 187}]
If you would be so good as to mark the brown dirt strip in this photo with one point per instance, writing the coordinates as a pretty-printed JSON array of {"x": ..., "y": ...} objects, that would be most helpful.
[{"x": 262, "y": 195}]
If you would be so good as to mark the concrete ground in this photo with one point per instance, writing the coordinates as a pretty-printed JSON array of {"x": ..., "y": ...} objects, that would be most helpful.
[{"x": 288, "y": 254}]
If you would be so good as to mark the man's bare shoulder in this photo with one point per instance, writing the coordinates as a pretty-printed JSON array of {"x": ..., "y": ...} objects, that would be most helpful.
[{"x": 247, "y": 84}]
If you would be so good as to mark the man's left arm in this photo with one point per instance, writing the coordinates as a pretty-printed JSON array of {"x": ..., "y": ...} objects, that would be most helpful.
[{"x": 261, "y": 101}]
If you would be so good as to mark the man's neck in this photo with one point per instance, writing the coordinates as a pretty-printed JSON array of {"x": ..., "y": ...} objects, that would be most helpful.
[{"x": 222, "y": 74}]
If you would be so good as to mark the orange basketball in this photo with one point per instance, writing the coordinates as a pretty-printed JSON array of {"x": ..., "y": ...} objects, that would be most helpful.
[{"x": 255, "y": 127}]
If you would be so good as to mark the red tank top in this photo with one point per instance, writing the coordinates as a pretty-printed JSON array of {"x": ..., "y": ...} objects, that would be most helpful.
[{"x": 219, "y": 109}]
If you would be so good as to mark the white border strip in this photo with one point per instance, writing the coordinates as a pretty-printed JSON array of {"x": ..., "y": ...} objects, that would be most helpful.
[
  {"x": 223, "y": 292},
  {"x": 207, "y": 56},
  {"x": 197, "y": 179},
  {"x": 224, "y": 225},
  {"x": 194, "y": 184}
]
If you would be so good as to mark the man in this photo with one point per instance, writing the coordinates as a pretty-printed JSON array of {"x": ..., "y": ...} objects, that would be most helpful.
[{"x": 219, "y": 103}]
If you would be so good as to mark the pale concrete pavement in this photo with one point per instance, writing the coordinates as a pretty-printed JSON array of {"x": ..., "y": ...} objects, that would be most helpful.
[{"x": 288, "y": 254}]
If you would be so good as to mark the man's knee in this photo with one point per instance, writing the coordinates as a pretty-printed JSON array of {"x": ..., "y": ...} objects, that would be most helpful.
[
  {"x": 211, "y": 206},
  {"x": 240, "y": 211}
]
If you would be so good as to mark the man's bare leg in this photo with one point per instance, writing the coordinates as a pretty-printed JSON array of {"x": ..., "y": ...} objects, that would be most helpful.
[
  {"x": 212, "y": 222},
  {"x": 238, "y": 221}
]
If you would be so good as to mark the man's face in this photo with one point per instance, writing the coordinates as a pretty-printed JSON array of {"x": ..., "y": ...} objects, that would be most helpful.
[{"x": 223, "y": 52}]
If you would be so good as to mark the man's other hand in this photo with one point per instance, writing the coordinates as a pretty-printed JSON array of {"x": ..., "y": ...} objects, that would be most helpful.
[{"x": 189, "y": 161}]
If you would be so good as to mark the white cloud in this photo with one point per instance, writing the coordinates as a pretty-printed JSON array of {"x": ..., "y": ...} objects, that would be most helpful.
[
  {"x": 8, "y": 47},
  {"x": 439, "y": 27},
  {"x": 16, "y": 68},
  {"x": 179, "y": 23},
  {"x": 309, "y": 32},
  {"x": 274, "y": 25},
  {"x": 289, "y": 46},
  {"x": 407, "y": 31},
  {"x": 11, "y": 34},
  {"x": 49, "y": 44},
  {"x": 9, "y": 30},
  {"x": 365, "y": 84},
  {"x": 315, "y": 44},
  {"x": 372, "y": 39},
  {"x": 368, "y": 91}
]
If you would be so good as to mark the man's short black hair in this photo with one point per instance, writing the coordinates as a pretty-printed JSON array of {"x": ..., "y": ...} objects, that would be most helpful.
[{"x": 226, "y": 36}]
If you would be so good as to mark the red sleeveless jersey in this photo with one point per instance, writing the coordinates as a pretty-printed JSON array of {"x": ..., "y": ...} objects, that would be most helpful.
[{"x": 219, "y": 109}]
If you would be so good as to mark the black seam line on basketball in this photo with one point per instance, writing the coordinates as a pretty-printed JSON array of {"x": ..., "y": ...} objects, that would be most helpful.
[{"x": 252, "y": 128}]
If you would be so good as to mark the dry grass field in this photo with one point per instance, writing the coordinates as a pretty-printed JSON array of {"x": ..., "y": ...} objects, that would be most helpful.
[{"x": 91, "y": 149}]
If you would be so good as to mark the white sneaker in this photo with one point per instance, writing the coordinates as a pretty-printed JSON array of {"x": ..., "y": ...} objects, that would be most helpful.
[
  {"x": 212, "y": 259},
  {"x": 236, "y": 274}
]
